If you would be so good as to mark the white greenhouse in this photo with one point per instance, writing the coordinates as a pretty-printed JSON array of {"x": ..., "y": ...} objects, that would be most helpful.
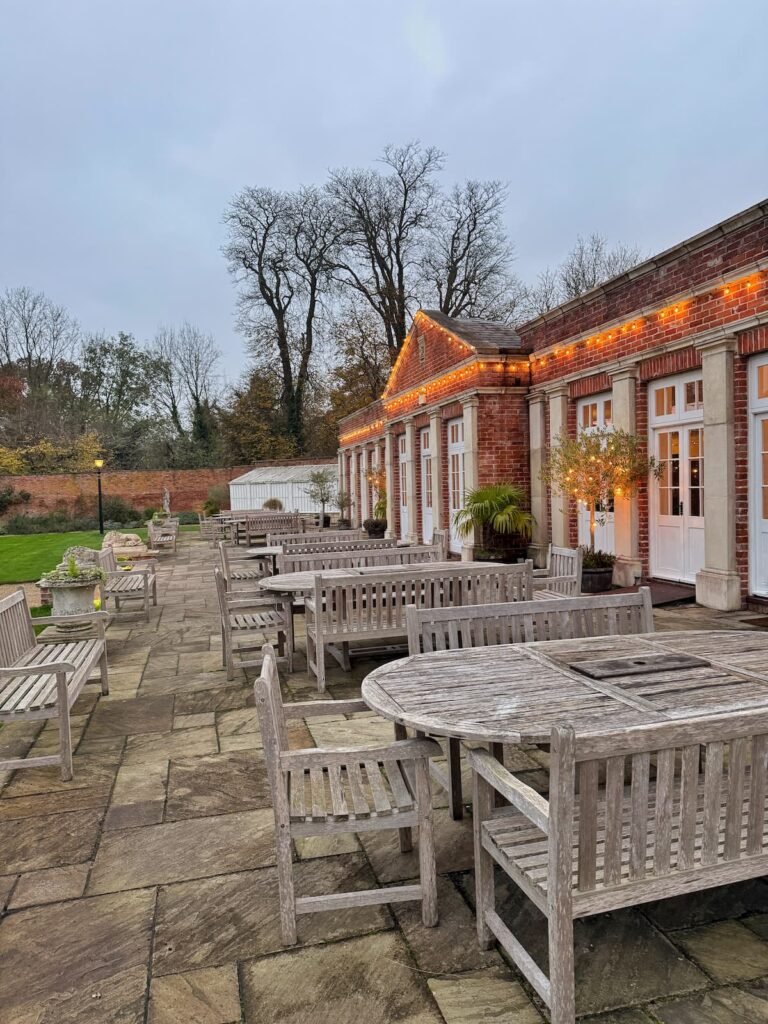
[{"x": 288, "y": 483}]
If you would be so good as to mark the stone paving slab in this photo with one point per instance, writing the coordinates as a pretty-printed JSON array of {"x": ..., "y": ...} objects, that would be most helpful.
[{"x": 162, "y": 848}]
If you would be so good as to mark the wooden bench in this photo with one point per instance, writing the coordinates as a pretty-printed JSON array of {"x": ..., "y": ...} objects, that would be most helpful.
[
  {"x": 43, "y": 680},
  {"x": 372, "y": 606},
  {"x": 563, "y": 572},
  {"x": 137, "y": 584},
  {"x": 321, "y": 560},
  {"x": 315, "y": 545},
  {"x": 246, "y": 620},
  {"x": 683, "y": 824},
  {"x": 350, "y": 789},
  {"x": 312, "y": 533},
  {"x": 258, "y": 524},
  {"x": 449, "y": 629},
  {"x": 162, "y": 538}
]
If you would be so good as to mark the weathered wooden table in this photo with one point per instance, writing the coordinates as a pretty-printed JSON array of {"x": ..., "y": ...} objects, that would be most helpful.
[
  {"x": 516, "y": 693},
  {"x": 266, "y": 553},
  {"x": 304, "y": 582}
]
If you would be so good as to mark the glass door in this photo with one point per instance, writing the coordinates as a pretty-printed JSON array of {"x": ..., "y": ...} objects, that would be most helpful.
[
  {"x": 427, "y": 519},
  {"x": 455, "y": 478},
  {"x": 403, "y": 468}
]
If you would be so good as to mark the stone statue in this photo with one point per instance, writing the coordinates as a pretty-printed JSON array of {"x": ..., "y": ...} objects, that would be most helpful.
[{"x": 166, "y": 501}]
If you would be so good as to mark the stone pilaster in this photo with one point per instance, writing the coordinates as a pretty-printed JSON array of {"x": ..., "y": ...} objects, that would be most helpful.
[
  {"x": 558, "y": 424},
  {"x": 410, "y": 483},
  {"x": 389, "y": 475},
  {"x": 471, "y": 467},
  {"x": 718, "y": 584},
  {"x": 538, "y": 444},
  {"x": 436, "y": 449},
  {"x": 626, "y": 522}
]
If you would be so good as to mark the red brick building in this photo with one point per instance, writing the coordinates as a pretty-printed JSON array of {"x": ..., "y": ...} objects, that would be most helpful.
[{"x": 675, "y": 350}]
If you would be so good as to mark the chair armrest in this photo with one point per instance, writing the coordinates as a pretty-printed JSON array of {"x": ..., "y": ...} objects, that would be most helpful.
[
  {"x": 314, "y": 708},
  {"x": 523, "y": 797},
  {"x": 400, "y": 750},
  {"x": 540, "y": 573},
  {"x": 37, "y": 670},
  {"x": 309, "y": 602}
]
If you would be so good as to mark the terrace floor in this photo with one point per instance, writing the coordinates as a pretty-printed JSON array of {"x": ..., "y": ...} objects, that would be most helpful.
[{"x": 145, "y": 890}]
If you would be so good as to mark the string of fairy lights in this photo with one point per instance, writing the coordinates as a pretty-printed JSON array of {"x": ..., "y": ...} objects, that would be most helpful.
[{"x": 476, "y": 367}]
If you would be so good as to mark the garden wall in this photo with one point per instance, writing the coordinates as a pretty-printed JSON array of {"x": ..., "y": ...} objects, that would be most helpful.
[{"x": 188, "y": 488}]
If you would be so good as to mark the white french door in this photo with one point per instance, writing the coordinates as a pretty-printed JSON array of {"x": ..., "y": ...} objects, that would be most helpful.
[
  {"x": 403, "y": 470},
  {"x": 677, "y": 496},
  {"x": 455, "y": 478},
  {"x": 594, "y": 413},
  {"x": 758, "y": 476},
  {"x": 427, "y": 519}
]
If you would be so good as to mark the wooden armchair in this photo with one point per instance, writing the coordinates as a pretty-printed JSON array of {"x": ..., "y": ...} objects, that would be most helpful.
[
  {"x": 137, "y": 584},
  {"x": 247, "y": 617},
  {"x": 239, "y": 570},
  {"x": 683, "y": 824},
  {"x": 328, "y": 791}
]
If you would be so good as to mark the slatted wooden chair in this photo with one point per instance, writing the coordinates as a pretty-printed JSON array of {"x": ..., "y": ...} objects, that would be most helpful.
[
  {"x": 443, "y": 539},
  {"x": 563, "y": 572},
  {"x": 517, "y": 622},
  {"x": 239, "y": 570},
  {"x": 598, "y": 845},
  {"x": 43, "y": 680},
  {"x": 352, "y": 789},
  {"x": 122, "y": 585},
  {"x": 247, "y": 617},
  {"x": 162, "y": 537}
]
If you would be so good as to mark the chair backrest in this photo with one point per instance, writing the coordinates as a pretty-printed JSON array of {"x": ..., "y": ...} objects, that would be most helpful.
[
  {"x": 16, "y": 633},
  {"x": 682, "y": 813},
  {"x": 224, "y": 559},
  {"x": 565, "y": 562},
  {"x": 106, "y": 559},
  {"x": 355, "y": 559},
  {"x": 440, "y": 629},
  {"x": 269, "y": 705},
  {"x": 221, "y": 593},
  {"x": 309, "y": 546},
  {"x": 378, "y": 600},
  {"x": 262, "y": 522}
]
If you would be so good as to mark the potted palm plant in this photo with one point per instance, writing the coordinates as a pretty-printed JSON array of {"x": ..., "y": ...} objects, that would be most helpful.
[
  {"x": 593, "y": 468},
  {"x": 498, "y": 512},
  {"x": 72, "y": 587}
]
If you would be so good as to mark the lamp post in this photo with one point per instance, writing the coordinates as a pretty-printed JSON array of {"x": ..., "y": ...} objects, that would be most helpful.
[{"x": 98, "y": 463}]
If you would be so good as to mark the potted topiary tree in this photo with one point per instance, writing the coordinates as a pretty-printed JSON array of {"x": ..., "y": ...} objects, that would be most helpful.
[
  {"x": 377, "y": 525},
  {"x": 498, "y": 511},
  {"x": 321, "y": 489},
  {"x": 593, "y": 468},
  {"x": 343, "y": 503},
  {"x": 72, "y": 587},
  {"x": 273, "y": 505}
]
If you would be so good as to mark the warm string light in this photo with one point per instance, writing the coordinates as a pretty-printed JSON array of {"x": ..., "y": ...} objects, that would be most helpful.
[
  {"x": 356, "y": 435},
  {"x": 665, "y": 314},
  {"x": 464, "y": 373},
  {"x": 433, "y": 327}
]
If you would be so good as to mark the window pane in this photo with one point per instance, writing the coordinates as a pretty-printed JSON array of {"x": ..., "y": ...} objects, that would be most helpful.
[
  {"x": 608, "y": 412},
  {"x": 659, "y": 401},
  {"x": 762, "y": 381},
  {"x": 765, "y": 502}
]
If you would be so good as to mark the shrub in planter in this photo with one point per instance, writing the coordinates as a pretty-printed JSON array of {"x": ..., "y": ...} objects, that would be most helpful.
[
  {"x": 498, "y": 512},
  {"x": 375, "y": 527},
  {"x": 72, "y": 587},
  {"x": 596, "y": 571}
]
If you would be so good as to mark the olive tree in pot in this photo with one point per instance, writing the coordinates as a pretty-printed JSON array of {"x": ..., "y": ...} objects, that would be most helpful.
[
  {"x": 321, "y": 489},
  {"x": 72, "y": 587},
  {"x": 377, "y": 525},
  {"x": 343, "y": 503},
  {"x": 593, "y": 468},
  {"x": 498, "y": 511}
]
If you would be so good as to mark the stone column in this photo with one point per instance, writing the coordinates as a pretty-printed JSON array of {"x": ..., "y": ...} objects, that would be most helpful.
[
  {"x": 389, "y": 472},
  {"x": 626, "y": 522},
  {"x": 558, "y": 424},
  {"x": 470, "y": 407},
  {"x": 354, "y": 480},
  {"x": 718, "y": 585},
  {"x": 538, "y": 443},
  {"x": 410, "y": 483},
  {"x": 362, "y": 469},
  {"x": 436, "y": 449}
]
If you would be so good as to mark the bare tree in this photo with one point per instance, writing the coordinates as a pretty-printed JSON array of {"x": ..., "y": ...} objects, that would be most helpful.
[
  {"x": 36, "y": 335},
  {"x": 186, "y": 373},
  {"x": 467, "y": 256},
  {"x": 591, "y": 261},
  {"x": 385, "y": 217},
  {"x": 282, "y": 249}
]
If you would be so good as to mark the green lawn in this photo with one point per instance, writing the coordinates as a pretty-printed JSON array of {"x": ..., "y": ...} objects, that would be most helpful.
[{"x": 24, "y": 558}]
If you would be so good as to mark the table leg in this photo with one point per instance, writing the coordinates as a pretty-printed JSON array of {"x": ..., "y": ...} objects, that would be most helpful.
[
  {"x": 455, "y": 796},
  {"x": 497, "y": 750},
  {"x": 406, "y": 835}
]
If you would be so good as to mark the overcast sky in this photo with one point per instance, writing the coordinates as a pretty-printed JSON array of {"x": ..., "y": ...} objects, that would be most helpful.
[{"x": 127, "y": 125}]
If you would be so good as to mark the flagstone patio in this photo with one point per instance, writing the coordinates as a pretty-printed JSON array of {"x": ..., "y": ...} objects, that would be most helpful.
[{"x": 145, "y": 889}]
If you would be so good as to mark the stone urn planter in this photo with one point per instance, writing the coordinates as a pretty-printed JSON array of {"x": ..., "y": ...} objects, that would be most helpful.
[
  {"x": 375, "y": 527},
  {"x": 72, "y": 587},
  {"x": 596, "y": 581}
]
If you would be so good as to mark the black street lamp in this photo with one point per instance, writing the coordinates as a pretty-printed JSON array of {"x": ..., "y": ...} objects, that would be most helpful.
[{"x": 98, "y": 463}]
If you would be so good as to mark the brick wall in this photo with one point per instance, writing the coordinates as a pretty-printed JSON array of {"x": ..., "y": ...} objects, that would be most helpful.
[{"x": 188, "y": 488}]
